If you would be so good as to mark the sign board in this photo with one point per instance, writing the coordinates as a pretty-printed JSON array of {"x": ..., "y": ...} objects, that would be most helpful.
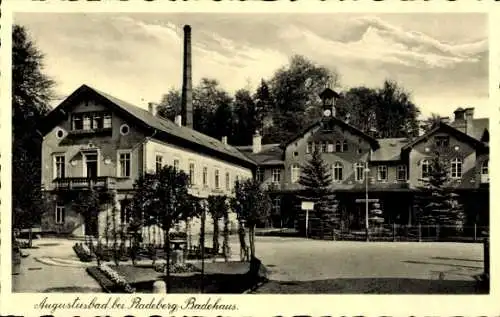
[
  {"x": 307, "y": 205},
  {"x": 374, "y": 200}
]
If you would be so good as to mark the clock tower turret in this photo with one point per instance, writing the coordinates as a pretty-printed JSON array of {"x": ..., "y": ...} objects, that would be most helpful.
[{"x": 328, "y": 97}]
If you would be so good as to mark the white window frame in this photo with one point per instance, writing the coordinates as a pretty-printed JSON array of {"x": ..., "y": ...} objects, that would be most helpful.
[
  {"x": 310, "y": 147},
  {"x": 192, "y": 173},
  {"x": 338, "y": 146},
  {"x": 428, "y": 169},
  {"x": 158, "y": 161},
  {"x": 294, "y": 173},
  {"x": 359, "y": 177},
  {"x": 217, "y": 178},
  {"x": 176, "y": 164},
  {"x": 260, "y": 174},
  {"x": 338, "y": 166},
  {"x": 119, "y": 163},
  {"x": 204, "y": 176},
  {"x": 55, "y": 165},
  {"x": 60, "y": 214},
  {"x": 330, "y": 147},
  {"x": 84, "y": 165},
  {"x": 399, "y": 169},
  {"x": 456, "y": 168},
  {"x": 227, "y": 179},
  {"x": 276, "y": 205},
  {"x": 124, "y": 215},
  {"x": 485, "y": 166},
  {"x": 276, "y": 175},
  {"x": 380, "y": 169}
]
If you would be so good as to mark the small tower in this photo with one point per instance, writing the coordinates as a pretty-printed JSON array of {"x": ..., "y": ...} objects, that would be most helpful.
[{"x": 328, "y": 97}]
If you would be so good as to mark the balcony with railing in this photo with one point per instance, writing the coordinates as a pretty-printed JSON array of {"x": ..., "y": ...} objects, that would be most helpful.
[{"x": 75, "y": 183}]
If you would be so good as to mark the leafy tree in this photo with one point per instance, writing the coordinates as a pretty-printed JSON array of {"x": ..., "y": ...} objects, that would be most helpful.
[
  {"x": 437, "y": 203},
  {"x": 246, "y": 118},
  {"x": 296, "y": 90},
  {"x": 162, "y": 197},
  {"x": 396, "y": 114},
  {"x": 252, "y": 205},
  {"x": 316, "y": 180},
  {"x": 170, "y": 104},
  {"x": 386, "y": 112},
  {"x": 217, "y": 208},
  {"x": 264, "y": 105},
  {"x": 88, "y": 204},
  {"x": 32, "y": 91}
]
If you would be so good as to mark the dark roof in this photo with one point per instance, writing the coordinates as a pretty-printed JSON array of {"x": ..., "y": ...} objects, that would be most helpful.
[
  {"x": 389, "y": 150},
  {"x": 342, "y": 124},
  {"x": 163, "y": 125},
  {"x": 478, "y": 128},
  {"x": 328, "y": 93},
  {"x": 270, "y": 154},
  {"x": 443, "y": 126}
]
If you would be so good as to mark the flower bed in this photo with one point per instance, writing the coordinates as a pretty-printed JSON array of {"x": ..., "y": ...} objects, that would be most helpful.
[
  {"x": 82, "y": 252},
  {"x": 110, "y": 280},
  {"x": 177, "y": 269}
]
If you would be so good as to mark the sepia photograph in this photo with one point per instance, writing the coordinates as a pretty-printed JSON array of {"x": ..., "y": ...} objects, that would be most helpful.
[{"x": 250, "y": 153}]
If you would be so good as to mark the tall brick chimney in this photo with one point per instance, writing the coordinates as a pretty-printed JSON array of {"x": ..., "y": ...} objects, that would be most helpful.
[{"x": 187, "y": 82}]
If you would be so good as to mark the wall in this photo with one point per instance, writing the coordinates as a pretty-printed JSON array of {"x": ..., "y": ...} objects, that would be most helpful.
[
  {"x": 465, "y": 152},
  {"x": 107, "y": 148},
  {"x": 358, "y": 151},
  {"x": 171, "y": 152}
]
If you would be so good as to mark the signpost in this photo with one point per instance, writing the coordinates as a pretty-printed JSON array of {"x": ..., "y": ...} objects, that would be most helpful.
[{"x": 307, "y": 206}]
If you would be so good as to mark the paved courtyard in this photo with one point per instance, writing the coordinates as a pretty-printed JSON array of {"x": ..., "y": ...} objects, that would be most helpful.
[{"x": 359, "y": 267}]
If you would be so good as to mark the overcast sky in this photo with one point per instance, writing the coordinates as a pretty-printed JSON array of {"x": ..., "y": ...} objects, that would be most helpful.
[{"x": 442, "y": 59}]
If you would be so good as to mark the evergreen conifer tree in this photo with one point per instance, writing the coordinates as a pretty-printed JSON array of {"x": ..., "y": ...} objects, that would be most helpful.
[{"x": 317, "y": 179}]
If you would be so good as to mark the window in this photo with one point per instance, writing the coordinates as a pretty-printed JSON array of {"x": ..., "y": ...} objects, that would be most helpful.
[
  {"x": 228, "y": 181},
  {"x": 295, "y": 173},
  {"x": 217, "y": 185},
  {"x": 60, "y": 213},
  {"x": 401, "y": 173},
  {"x": 276, "y": 206},
  {"x": 260, "y": 175},
  {"x": 107, "y": 121},
  {"x": 124, "y": 167},
  {"x": 77, "y": 122},
  {"x": 191, "y": 174},
  {"x": 456, "y": 168},
  {"x": 337, "y": 171},
  {"x": 125, "y": 213},
  {"x": 124, "y": 129},
  {"x": 236, "y": 179},
  {"x": 87, "y": 122},
  {"x": 344, "y": 147},
  {"x": 98, "y": 121},
  {"x": 91, "y": 165},
  {"x": 323, "y": 147},
  {"x": 382, "y": 173},
  {"x": 91, "y": 121},
  {"x": 338, "y": 146},
  {"x": 205, "y": 175},
  {"x": 309, "y": 147},
  {"x": 60, "y": 166},
  {"x": 442, "y": 141},
  {"x": 330, "y": 147},
  {"x": 426, "y": 169},
  {"x": 484, "y": 167},
  {"x": 276, "y": 175},
  {"x": 159, "y": 163},
  {"x": 176, "y": 165},
  {"x": 359, "y": 171}
]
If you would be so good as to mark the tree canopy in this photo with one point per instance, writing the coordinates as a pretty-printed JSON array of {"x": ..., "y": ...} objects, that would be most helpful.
[{"x": 32, "y": 91}]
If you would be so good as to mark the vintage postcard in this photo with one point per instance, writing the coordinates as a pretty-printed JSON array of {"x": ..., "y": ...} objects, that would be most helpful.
[{"x": 248, "y": 159}]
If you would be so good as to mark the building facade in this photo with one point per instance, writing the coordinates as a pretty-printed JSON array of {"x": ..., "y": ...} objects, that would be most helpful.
[
  {"x": 93, "y": 139},
  {"x": 388, "y": 170}
]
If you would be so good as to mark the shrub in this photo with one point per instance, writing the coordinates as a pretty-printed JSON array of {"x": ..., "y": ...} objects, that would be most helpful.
[
  {"x": 179, "y": 268},
  {"x": 82, "y": 252}
]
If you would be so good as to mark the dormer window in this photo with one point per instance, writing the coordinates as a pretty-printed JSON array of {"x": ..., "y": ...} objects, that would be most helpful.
[
  {"x": 91, "y": 121},
  {"x": 442, "y": 141}
]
